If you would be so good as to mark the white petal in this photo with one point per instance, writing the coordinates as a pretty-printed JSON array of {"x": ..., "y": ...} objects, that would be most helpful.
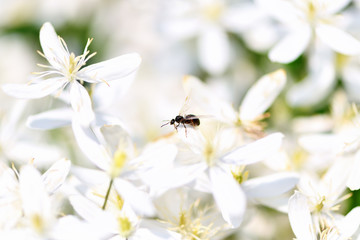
[
  {"x": 179, "y": 29},
  {"x": 300, "y": 218},
  {"x": 262, "y": 36},
  {"x": 52, "y": 46},
  {"x": 157, "y": 229},
  {"x": 34, "y": 90},
  {"x": 350, "y": 223},
  {"x": 283, "y": 10},
  {"x": 156, "y": 155},
  {"x": 139, "y": 200},
  {"x": 32, "y": 191},
  {"x": 55, "y": 176},
  {"x": 322, "y": 143},
  {"x": 104, "y": 96},
  {"x": 155, "y": 234},
  {"x": 72, "y": 228},
  {"x": 91, "y": 146},
  {"x": 255, "y": 151},
  {"x": 50, "y": 119},
  {"x": 81, "y": 103},
  {"x": 350, "y": 74},
  {"x": 270, "y": 186},
  {"x": 279, "y": 203},
  {"x": 180, "y": 22},
  {"x": 334, "y": 6},
  {"x": 175, "y": 177},
  {"x": 318, "y": 84},
  {"x": 230, "y": 199},
  {"x": 353, "y": 181},
  {"x": 43, "y": 153},
  {"x": 90, "y": 176},
  {"x": 241, "y": 17},
  {"x": 261, "y": 95},
  {"x": 102, "y": 120},
  {"x": 292, "y": 46},
  {"x": 338, "y": 40},
  {"x": 10, "y": 121},
  {"x": 121, "y": 68},
  {"x": 93, "y": 214},
  {"x": 202, "y": 96},
  {"x": 214, "y": 50}
]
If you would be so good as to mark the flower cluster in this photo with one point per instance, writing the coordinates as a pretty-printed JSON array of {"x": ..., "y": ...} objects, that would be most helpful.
[{"x": 228, "y": 122}]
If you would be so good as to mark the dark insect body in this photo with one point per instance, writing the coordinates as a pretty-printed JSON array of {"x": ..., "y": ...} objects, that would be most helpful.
[{"x": 189, "y": 119}]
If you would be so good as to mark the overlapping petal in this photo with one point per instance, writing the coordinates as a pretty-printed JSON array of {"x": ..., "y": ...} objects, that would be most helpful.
[
  {"x": 214, "y": 50},
  {"x": 270, "y": 186},
  {"x": 52, "y": 47},
  {"x": 256, "y": 151},
  {"x": 339, "y": 40},
  {"x": 81, "y": 104},
  {"x": 230, "y": 199},
  {"x": 292, "y": 45},
  {"x": 91, "y": 146},
  {"x": 35, "y": 90},
  {"x": 300, "y": 218},
  {"x": 139, "y": 200},
  {"x": 120, "y": 68},
  {"x": 261, "y": 95},
  {"x": 55, "y": 176},
  {"x": 50, "y": 119}
]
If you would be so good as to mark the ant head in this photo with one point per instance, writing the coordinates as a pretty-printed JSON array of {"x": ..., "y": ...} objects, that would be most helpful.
[{"x": 172, "y": 121}]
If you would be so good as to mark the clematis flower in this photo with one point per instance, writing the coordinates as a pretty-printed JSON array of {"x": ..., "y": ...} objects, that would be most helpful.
[
  {"x": 341, "y": 145},
  {"x": 15, "y": 144},
  {"x": 121, "y": 166},
  {"x": 205, "y": 162},
  {"x": 191, "y": 214},
  {"x": 67, "y": 69},
  {"x": 303, "y": 226},
  {"x": 256, "y": 101},
  {"x": 306, "y": 20},
  {"x": 118, "y": 221},
  {"x": 323, "y": 198},
  {"x": 209, "y": 21},
  {"x": 27, "y": 197},
  {"x": 320, "y": 81}
]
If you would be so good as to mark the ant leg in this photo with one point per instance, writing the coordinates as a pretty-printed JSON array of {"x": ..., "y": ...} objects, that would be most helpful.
[
  {"x": 176, "y": 126},
  {"x": 185, "y": 129}
]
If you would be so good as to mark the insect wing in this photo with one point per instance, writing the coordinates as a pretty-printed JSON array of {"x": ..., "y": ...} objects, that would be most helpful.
[
  {"x": 191, "y": 116},
  {"x": 185, "y": 107}
]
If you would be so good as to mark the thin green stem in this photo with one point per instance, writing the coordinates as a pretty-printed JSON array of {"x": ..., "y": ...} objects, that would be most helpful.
[{"x": 107, "y": 194}]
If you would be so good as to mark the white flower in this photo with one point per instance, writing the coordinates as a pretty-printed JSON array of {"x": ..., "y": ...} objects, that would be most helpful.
[
  {"x": 256, "y": 101},
  {"x": 303, "y": 227},
  {"x": 189, "y": 213},
  {"x": 320, "y": 80},
  {"x": 15, "y": 143},
  {"x": 66, "y": 69},
  {"x": 209, "y": 21},
  {"x": 122, "y": 166},
  {"x": 305, "y": 19},
  {"x": 207, "y": 157},
  {"x": 323, "y": 196},
  {"x": 31, "y": 195},
  {"x": 119, "y": 221}
]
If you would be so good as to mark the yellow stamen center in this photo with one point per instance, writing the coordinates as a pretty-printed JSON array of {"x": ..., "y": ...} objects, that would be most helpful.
[
  {"x": 37, "y": 223},
  {"x": 213, "y": 11},
  {"x": 240, "y": 175},
  {"x": 119, "y": 160},
  {"x": 209, "y": 153},
  {"x": 125, "y": 226}
]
